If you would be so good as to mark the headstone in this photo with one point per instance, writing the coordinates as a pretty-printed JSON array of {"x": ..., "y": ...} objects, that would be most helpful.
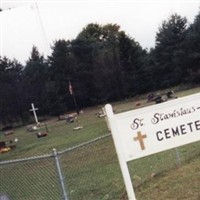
[
  {"x": 69, "y": 118},
  {"x": 11, "y": 144},
  {"x": 160, "y": 99},
  {"x": 170, "y": 94},
  {"x": 61, "y": 117},
  {"x": 101, "y": 114},
  {"x": 78, "y": 127},
  {"x": 31, "y": 128},
  {"x": 34, "y": 113},
  {"x": 5, "y": 149},
  {"x": 41, "y": 134},
  {"x": 10, "y": 132},
  {"x": 7, "y": 145}
]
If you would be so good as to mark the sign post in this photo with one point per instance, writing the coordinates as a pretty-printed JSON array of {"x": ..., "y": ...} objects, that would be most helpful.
[
  {"x": 153, "y": 129},
  {"x": 122, "y": 162}
]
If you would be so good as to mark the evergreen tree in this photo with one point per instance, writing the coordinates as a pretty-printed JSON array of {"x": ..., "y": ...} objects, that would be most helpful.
[
  {"x": 11, "y": 104},
  {"x": 62, "y": 70},
  {"x": 169, "y": 51},
  {"x": 132, "y": 58},
  {"x": 192, "y": 53},
  {"x": 35, "y": 81}
]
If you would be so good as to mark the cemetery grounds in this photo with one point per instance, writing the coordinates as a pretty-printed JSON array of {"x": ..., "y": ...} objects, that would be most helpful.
[{"x": 92, "y": 171}]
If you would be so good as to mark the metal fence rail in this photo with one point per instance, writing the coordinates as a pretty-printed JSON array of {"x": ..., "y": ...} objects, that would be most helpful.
[
  {"x": 92, "y": 171},
  {"x": 89, "y": 171},
  {"x": 30, "y": 179},
  {"x": 47, "y": 176}
]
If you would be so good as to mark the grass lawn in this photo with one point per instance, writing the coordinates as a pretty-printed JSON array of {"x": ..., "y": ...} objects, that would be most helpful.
[{"x": 182, "y": 183}]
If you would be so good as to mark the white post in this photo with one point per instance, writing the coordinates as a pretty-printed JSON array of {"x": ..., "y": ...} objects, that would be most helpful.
[
  {"x": 61, "y": 177},
  {"x": 123, "y": 164},
  {"x": 34, "y": 113}
]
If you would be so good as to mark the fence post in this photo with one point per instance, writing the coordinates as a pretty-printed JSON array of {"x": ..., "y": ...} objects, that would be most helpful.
[
  {"x": 178, "y": 160},
  {"x": 60, "y": 175}
]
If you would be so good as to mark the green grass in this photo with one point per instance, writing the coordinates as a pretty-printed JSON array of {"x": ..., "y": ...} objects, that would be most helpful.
[
  {"x": 178, "y": 184},
  {"x": 61, "y": 136},
  {"x": 92, "y": 172}
]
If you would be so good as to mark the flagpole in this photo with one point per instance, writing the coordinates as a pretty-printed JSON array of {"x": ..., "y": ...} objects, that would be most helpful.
[
  {"x": 76, "y": 106},
  {"x": 74, "y": 98}
]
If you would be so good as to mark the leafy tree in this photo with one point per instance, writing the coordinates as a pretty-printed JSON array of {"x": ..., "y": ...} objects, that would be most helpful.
[
  {"x": 107, "y": 71},
  {"x": 103, "y": 70}
]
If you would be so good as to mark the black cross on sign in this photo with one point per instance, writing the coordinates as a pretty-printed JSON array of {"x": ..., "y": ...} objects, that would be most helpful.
[{"x": 140, "y": 137}]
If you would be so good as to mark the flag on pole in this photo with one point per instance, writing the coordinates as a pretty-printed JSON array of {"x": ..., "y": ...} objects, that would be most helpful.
[{"x": 70, "y": 88}]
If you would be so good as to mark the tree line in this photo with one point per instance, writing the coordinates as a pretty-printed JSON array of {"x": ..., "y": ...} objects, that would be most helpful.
[{"x": 103, "y": 64}]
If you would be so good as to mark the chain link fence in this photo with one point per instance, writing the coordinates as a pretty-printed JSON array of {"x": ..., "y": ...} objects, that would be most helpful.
[
  {"x": 30, "y": 179},
  {"x": 86, "y": 172}
]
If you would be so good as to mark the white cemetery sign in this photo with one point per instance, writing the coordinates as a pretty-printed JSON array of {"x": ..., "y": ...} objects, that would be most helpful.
[
  {"x": 34, "y": 113},
  {"x": 153, "y": 129}
]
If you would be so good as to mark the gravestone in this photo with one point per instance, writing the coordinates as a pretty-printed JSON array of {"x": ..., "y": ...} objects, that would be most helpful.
[
  {"x": 170, "y": 94},
  {"x": 34, "y": 113},
  {"x": 78, "y": 127},
  {"x": 101, "y": 114},
  {"x": 31, "y": 128},
  {"x": 41, "y": 134},
  {"x": 10, "y": 132},
  {"x": 69, "y": 119}
]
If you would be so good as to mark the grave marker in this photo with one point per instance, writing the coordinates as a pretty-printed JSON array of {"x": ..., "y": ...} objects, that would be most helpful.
[
  {"x": 10, "y": 132},
  {"x": 78, "y": 127},
  {"x": 41, "y": 134},
  {"x": 153, "y": 129},
  {"x": 34, "y": 113}
]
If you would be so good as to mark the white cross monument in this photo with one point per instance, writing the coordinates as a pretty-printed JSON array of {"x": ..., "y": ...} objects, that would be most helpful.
[{"x": 34, "y": 113}]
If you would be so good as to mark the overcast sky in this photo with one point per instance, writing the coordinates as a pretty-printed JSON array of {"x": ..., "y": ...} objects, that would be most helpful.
[{"x": 39, "y": 23}]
